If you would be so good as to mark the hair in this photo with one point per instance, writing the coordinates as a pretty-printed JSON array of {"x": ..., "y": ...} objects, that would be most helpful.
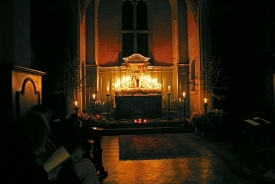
[
  {"x": 36, "y": 129},
  {"x": 44, "y": 110}
]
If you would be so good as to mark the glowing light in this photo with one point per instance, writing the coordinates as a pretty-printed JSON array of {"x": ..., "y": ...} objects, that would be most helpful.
[
  {"x": 75, "y": 103},
  {"x": 127, "y": 84},
  {"x": 205, "y": 100}
]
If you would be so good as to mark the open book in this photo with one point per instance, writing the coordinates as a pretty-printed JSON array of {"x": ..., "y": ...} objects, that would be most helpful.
[
  {"x": 57, "y": 158},
  {"x": 257, "y": 121}
]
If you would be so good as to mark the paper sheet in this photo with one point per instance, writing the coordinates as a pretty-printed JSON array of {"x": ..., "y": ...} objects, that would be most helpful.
[{"x": 58, "y": 157}]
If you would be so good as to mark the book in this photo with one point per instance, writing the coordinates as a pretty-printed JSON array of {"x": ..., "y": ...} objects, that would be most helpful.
[
  {"x": 270, "y": 174},
  {"x": 57, "y": 158},
  {"x": 261, "y": 121},
  {"x": 254, "y": 123}
]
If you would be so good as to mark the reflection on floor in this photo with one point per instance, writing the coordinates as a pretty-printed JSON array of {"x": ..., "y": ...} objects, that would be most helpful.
[{"x": 212, "y": 167}]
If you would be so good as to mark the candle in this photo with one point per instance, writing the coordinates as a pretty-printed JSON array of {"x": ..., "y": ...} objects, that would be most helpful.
[
  {"x": 107, "y": 90},
  {"x": 168, "y": 89},
  {"x": 183, "y": 94},
  {"x": 75, "y": 103},
  {"x": 144, "y": 120},
  {"x": 93, "y": 96},
  {"x": 205, "y": 100}
]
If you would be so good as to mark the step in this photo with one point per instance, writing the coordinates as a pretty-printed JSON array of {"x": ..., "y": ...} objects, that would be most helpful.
[
  {"x": 149, "y": 123},
  {"x": 150, "y": 130}
]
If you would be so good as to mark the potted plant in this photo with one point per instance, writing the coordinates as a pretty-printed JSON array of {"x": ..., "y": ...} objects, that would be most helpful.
[
  {"x": 216, "y": 121},
  {"x": 92, "y": 120},
  {"x": 196, "y": 120}
]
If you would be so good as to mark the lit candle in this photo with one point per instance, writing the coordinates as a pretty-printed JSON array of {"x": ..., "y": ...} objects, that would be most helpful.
[
  {"x": 168, "y": 89},
  {"x": 75, "y": 103},
  {"x": 183, "y": 95},
  {"x": 144, "y": 120},
  {"x": 205, "y": 100},
  {"x": 107, "y": 90},
  {"x": 93, "y": 96}
]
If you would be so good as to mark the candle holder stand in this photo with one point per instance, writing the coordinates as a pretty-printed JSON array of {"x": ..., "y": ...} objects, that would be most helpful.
[
  {"x": 108, "y": 108},
  {"x": 76, "y": 118},
  {"x": 205, "y": 117},
  {"x": 183, "y": 100},
  {"x": 94, "y": 105},
  {"x": 169, "y": 117}
]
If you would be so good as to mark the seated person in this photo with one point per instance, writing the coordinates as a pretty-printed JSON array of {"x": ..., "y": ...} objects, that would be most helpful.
[{"x": 26, "y": 152}]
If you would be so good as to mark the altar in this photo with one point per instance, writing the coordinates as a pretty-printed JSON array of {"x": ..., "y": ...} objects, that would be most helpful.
[
  {"x": 138, "y": 106},
  {"x": 137, "y": 93}
]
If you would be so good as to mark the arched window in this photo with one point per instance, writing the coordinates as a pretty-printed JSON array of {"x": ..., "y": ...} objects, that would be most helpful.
[{"x": 134, "y": 27}]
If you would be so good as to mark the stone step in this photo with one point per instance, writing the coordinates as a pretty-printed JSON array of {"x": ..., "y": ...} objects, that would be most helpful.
[
  {"x": 151, "y": 126},
  {"x": 149, "y": 130},
  {"x": 142, "y": 124}
]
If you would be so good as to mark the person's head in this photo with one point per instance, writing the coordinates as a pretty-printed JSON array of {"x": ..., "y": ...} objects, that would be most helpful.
[
  {"x": 36, "y": 129},
  {"x": 44, "y": 110}
]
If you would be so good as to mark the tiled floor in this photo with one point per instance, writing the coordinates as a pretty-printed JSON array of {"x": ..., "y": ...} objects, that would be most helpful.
[{"x": 212, "y": 167}]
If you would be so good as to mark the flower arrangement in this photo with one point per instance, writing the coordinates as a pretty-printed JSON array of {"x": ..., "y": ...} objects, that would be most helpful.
[
  {"x": 215, "y": 117},
  {"x": 88, "y": 120},
  {"x": 196, "y": 119},
  {"x": 129, "y": 91},
  {"x": 95, "y": 108}
]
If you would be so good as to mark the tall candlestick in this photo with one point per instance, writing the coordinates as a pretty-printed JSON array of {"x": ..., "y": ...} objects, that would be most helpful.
[
  {"x": 77, "y": 126},
  {"x": 183, "y": 100},
  {"x": 205, "y": 115}
]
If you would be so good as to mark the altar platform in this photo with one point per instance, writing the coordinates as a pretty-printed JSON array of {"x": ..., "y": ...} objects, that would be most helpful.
[{"x": 160, "y": 125}]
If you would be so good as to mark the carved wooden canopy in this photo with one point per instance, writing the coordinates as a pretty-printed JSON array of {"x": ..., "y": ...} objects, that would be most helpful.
[{"x": 136, "y": 60}]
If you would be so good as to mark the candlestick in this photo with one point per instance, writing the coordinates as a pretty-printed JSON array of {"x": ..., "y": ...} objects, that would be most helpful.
[
  {"x": 169, "y": 118},
  {"x": 94, "y": 100},
  {"x": 183, "y": 100},
  {"x": 205, "y": 114},
  {"x": 76, "y": 116},
  {"x": 108, "y": 95}
]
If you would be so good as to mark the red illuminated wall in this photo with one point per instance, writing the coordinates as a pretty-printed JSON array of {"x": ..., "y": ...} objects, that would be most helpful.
[
  {"x": 191, "y": 33},
  {"x": 108, "y": 32},
  {"x": 83, "y": 39},
  {"x": 161, "y": 32}
]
